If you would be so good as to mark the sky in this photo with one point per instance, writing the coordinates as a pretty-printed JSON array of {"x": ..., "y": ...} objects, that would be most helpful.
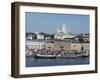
[{"x": 49, "y": 22}]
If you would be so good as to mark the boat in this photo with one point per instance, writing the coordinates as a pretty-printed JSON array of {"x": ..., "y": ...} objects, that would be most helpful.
[
  {"x": 29, "y": 54},
  {"x": 85, "y": 55},
  {"x": 66, "y": 56},
  {"x": 45, "y": 56}
]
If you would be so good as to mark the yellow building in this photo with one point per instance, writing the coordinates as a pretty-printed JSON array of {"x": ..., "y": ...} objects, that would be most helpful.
[
  {"x": 64, "y": 45},
  {"x": 49, "y": 46},
  {"x": 58, "y": 45},
  {"x": 67, "y": 46},
  {"x": 76, "y": 46}
]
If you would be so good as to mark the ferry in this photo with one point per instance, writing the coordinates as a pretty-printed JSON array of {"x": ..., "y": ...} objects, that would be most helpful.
[
  {"x": 61, "y": 56},
  {"x": 45, "y": 56}
]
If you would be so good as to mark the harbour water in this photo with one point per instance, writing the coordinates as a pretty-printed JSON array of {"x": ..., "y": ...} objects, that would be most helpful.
[{"x": 34, "y": 62}]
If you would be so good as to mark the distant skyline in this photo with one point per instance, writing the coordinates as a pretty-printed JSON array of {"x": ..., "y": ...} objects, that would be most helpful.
[{"x": 49, "y": 22}]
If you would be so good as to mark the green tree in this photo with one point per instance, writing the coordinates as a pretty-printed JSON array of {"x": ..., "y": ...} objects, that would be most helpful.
[{"x": 34, "y": 37}]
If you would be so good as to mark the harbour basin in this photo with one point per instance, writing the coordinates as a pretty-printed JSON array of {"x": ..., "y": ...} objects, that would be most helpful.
[{"x": 38, "y": 62}]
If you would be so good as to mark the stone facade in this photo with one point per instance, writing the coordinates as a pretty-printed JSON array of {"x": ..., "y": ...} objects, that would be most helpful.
[
  {"x": 79, "y": 46},
  {"x": 50, "y": 46},
  {"x": 76, "y": 46},
  {"x": 58, "y": 45},
  {"x": 86, "y": 46}
]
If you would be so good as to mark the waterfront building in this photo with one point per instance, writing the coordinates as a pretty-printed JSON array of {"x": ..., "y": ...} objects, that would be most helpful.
[
  {"x": 63, "y": 32},
  {"x": 47, "y": 38},
  {"x": 49, "y": 46},
  {"x": 57, "y": 45},
  {"x": 35, "y": 44},
  {"x": 86, "y": 38},
  {"x": 40, "y": 36},
  {"x": 29, "y": 36},
  {"x": 76, "y": 46},
  {"x": 86, "y": 47},
  {"x": 62, "y": 45}
]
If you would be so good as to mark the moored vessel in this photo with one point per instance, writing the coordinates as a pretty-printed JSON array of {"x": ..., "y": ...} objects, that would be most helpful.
[{"x": 45, "y": 56}]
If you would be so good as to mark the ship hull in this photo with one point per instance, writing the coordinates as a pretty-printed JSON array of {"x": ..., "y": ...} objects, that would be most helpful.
[{"x": 45, "y": 56}]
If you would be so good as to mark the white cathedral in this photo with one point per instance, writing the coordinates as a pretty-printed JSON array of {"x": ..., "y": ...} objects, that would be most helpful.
[{"x": 63, "y": 32}]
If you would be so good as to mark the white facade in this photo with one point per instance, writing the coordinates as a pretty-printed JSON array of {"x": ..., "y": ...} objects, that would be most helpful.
[
  {"x": 47, "y": 38},
  {"x": 40, "y": 36},
  {"x": 35, "y": 44},
  {"x": 86, "y": 46},
  {"x": 63, "y": 32},
  {"x": 29, "y": 37}
]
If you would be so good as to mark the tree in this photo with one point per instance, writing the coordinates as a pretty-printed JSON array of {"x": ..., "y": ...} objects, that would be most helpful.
[
  {"x": 35, "y": 37},
  {"x": 52, "y": 36}
]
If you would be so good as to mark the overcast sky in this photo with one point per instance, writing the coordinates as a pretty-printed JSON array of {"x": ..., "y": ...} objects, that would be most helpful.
[{"x": 49, "y": 22}]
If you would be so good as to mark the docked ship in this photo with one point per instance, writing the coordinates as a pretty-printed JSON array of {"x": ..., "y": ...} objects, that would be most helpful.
[
  {"x": 66, "y": 55},
  {"x": 45, "y": 56}
]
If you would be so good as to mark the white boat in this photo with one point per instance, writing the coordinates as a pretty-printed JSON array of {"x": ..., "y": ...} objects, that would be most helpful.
[
  {"x": 45, "y": 56},
  {"x": 86, "y": 54}
]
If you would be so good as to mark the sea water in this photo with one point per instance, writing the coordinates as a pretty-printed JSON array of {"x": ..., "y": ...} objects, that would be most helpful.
[{"x": 34, "y": 62}]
